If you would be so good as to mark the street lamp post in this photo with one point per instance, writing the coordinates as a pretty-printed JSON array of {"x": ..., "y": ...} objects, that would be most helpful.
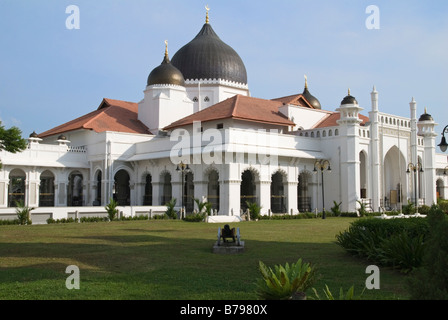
[
  {"x": 322, "y": 165},
  {"x": 416, "y": 168},
  {"x": 183, "y": 169},
  {"x": 443, "y": 145}
]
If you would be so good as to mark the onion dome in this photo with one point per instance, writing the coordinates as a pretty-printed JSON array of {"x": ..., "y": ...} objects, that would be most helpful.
[
  {"x": 349, "y": 99},
  {"x": 426, "y": 117},
  {"x": 312, "y": 100},
  {"x": 34, "y": 135},
  {"x": 208, "y": 57},
  {"x": 166, "y": 73}
]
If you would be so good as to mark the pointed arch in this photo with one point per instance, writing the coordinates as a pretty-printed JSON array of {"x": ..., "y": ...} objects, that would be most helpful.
[
  {"x": 17, "y": 187},
  {"x": 46, "y": 189}
]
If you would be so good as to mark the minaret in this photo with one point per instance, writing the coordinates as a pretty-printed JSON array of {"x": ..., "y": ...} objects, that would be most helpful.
[
  {"x": 375, "y": 151},
  {"x": 426, "y": 127},
  {"x": 350, "y": 147}
]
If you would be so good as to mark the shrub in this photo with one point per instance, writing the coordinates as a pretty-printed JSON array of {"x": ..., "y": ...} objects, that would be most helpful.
[
  {"x": 254, "y": 210},
  {"x": 170, "y": 211},
  {"x": 23, "y": 213},
  {"x": 112, "y": 209},
  {"x": 195, "y": 217},
  {"x": 430, "y": 282},
  {"x": 393, "y": 242},
  {"x": 349, "y": 295},
  {"x": 284, "y": 282},
  {"x": 336, "y": 209}
]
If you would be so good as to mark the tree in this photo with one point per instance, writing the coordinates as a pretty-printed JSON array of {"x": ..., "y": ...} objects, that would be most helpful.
[{"x": 11, "y": 140}]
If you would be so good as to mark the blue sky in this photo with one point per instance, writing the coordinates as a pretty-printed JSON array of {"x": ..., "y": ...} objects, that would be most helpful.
[{"x": 50, "y": 74}]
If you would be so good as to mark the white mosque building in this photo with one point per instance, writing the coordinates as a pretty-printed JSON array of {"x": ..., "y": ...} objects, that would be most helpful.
[{"x": 198, "y": 133}]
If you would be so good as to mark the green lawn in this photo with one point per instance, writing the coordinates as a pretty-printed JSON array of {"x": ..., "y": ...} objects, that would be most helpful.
[{"x": 171, "y": 259}]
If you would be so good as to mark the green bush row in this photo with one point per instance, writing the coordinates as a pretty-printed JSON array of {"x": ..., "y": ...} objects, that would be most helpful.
[{"x": 398, "y": 243}]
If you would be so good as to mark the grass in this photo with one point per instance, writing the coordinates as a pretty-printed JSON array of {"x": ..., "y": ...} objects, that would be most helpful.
[{"x": 172, "y": 259}]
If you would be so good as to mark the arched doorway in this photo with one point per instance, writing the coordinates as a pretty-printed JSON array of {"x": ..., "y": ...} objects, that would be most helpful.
[
  {"x": 147, "y": 197},
  {"x": 213, "y": 189},
  {"x": 17, "y": 187},
  {"x": 278, "y": 198},
  {"x": 394, "y": 176},
  {"x": 248, "y": 189},
  {"x": 304, "y": 192},
  {"x": 75, "y": 189},
  {"x": 122, "y": 192},
  {"x": 166, "y": 189},
  {"x": 46, "y": 189}
]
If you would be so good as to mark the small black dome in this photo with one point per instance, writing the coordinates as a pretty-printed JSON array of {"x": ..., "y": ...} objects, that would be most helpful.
[
  {"x": 208, "y": 57},
  {"x": 166, "y": 73},
  {"x": 33, "y": 135},
  {"x": 426, "y": 117},
  {"x": 62, "y": 137},
  {"x": 349, "y": 99}
]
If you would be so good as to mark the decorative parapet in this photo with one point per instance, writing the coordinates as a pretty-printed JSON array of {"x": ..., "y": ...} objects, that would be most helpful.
[{"x": 217, "y": 82}]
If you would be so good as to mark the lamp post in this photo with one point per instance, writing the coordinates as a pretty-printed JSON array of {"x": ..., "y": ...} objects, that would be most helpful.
[
  {"x": 416, "y": 168},
  {"x": 443, "y": 145},
  {"x": 322, "y": 165},
  {"x": 183, "y": 169}
]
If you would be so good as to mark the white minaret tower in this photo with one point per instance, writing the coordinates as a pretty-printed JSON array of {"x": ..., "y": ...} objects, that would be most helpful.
[
  {"x": 349, "y": 129},
  {"x": 375, "y": 152},
  {"x": 426, "y": 127},
  {"x": 414, "y": 156}
]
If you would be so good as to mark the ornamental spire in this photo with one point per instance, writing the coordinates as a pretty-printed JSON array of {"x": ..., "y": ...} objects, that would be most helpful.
[
  {"x": 166, "y": 48},
  {"x": 206, "y": 17},
  {"x": 306, "y": 82}
]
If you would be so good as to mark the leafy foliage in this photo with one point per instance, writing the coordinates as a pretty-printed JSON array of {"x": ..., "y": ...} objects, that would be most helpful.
[
  {"x": 112, "y": 209},
  {"x": 336, "y": 209},
  {"x": 170, "y": 211},
  {"x": 23, "y": 213},
  {"x": 398, "y": 243},
  {"x": 430, "y": 282},
  {"x": 254, "y": 210},
  {"x": 282, "y": 282},
  {"x": 11, "y": 140},
  {"x": 349, "y": 295}
]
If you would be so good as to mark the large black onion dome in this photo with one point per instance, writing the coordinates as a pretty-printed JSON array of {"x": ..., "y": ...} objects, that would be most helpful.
[
  {"x": 166, "y": 73},
  {"x": 208, "y": 57},
  {"x": 349, "y": 99}
]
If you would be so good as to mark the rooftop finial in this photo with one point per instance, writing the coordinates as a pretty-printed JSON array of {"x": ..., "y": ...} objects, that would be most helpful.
[
  {"x": 348, "y": 91},
  {"x": 426, "y": 112},
  {"x": 306, "y": 82},
  {"x": 166, "y": 47},
  {"x": 206, "y": 17}
]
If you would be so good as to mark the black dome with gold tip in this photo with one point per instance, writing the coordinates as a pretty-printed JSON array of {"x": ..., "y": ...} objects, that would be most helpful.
[
  {"x": 208, "y": 57},
  {"x": 166, "y": 73},
  {"x": 312, "y": 100},
  {"x": 349, "y": 99}
]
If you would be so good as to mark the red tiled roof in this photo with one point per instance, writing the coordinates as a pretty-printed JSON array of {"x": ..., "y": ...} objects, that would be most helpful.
[
  {"x": 331, "y": 120},
  {"x": 241, "y": 108},
  {"x": 295, "y": 99},
  {"x": 111, "y": 115}
]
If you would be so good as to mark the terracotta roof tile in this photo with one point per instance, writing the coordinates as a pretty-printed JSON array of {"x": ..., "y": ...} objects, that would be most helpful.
[
  {"x": 295, "y": 99},
  {"x": 111, "y": 115},
  {"x": 331, "y": 120},
  {"x": 241, "y": 108}
]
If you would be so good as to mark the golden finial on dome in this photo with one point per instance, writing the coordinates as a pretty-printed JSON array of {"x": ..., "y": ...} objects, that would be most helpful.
[
  {"x": 166, "y": 47},
  {"x": 306, "y": 82},
  {"x": 206, "y": 17},
  {"x": 348, "y": 91}
]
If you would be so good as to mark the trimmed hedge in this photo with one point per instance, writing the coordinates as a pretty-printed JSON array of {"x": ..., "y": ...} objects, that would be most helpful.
[{"x": 398, "y": 243}]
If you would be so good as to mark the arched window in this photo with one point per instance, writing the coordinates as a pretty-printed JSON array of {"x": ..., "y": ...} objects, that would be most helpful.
[
  {"x": 98, "y": 179},
  {"x": 213, "y": 189},
  {"x": 122, "y": 192},
  {"x": 248, "y": 191},
  {"x": 75, "y": 189},
  {"x": 278, "y": 199},
  {"x": 17, "y": 188},
  {"x": 147, "y": 197},
  {"x": 166, "y": 193},
  {"x": 46, "y": 189}
]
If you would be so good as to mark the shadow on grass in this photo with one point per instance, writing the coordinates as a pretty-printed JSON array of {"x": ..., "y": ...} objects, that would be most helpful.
[{"x": 148, "y": 266}]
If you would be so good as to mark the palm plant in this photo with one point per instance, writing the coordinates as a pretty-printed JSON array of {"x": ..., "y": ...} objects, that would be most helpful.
[
  {"x": 23, "y": 213},
  {"x": 285, "y": 282},
  {"x": 112, "y": 209},
  {"x": 170, "y": 211}
]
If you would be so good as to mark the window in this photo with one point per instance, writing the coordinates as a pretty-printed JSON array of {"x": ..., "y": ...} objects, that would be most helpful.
[{"x": 219, "y": 126}]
